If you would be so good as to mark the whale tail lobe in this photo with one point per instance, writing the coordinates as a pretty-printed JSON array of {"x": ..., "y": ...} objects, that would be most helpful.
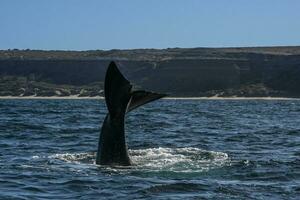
[{"x": 119, "y": 95}]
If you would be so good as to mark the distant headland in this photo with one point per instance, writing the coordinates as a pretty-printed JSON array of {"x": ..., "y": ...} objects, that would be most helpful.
[{"x": 179, "y": 72}]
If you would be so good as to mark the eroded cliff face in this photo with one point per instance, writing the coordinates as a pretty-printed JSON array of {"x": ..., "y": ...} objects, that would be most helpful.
[{"x": 178, "y": 72}]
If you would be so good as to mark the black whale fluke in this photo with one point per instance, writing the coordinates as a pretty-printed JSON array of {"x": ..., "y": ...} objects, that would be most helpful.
[{"x": 120, "y": 99}]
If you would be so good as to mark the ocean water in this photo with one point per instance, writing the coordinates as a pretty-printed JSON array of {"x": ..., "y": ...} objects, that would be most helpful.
[{"x": 182, "y": 149}]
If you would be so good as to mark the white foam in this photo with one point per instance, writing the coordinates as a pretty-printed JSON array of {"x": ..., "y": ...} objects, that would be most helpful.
[
  {"x": 74, "y": 157},
  {"x": 177, "y": 159},
  {"x": 158, "y": 159}
]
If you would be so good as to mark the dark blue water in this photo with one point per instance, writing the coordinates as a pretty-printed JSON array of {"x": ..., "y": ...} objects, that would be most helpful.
[{"x": 182, "y": 149}]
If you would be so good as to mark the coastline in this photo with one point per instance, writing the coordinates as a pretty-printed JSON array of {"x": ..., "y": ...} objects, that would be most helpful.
[
  {"x": 49, "y": 97},
  {"x": 166, "y": 98}
]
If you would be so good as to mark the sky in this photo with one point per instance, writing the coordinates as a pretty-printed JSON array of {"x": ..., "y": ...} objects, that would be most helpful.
[{"x": 130, "y": 24}]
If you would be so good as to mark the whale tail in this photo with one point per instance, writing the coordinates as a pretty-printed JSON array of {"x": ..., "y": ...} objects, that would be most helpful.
[
  {"x": 120, "y": 99},
  {"x": 118, "y": 92}
]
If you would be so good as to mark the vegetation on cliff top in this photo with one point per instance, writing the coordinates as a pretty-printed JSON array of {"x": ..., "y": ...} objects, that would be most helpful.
[{"x": 149, "y": 54}]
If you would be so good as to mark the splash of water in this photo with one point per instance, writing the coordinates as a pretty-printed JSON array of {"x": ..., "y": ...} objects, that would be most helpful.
[{"x": 160, "y": 159}]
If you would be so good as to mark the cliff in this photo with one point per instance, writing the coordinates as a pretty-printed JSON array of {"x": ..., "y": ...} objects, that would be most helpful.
[{"x": 250, "y": 72}]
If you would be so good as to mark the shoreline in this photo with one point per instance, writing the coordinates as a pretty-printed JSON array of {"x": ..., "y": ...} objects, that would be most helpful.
[{"x": 166, "y": 98}]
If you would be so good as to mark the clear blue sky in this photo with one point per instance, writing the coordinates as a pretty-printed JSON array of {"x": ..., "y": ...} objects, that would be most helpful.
[{"x": 127, "y": 24}]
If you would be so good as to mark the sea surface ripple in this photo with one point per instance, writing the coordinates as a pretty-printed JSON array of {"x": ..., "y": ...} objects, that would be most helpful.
[{"x": 181, "y": 149}]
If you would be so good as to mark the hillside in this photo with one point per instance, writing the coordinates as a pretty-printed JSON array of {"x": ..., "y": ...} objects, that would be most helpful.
[{"x": 246, "y": 72}]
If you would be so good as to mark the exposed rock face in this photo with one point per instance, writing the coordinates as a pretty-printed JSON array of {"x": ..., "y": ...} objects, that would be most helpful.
[{"x": 178, "y": 72}]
